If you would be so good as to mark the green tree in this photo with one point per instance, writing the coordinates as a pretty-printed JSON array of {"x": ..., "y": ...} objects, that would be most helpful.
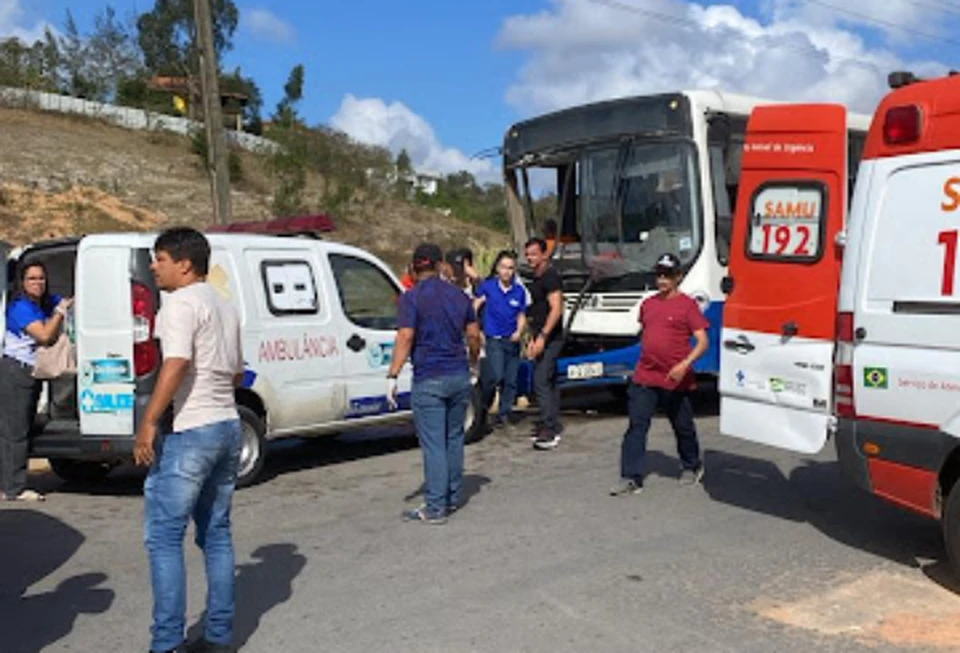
[
  {"x": 112, "y": 53},
  {"x": 167, "y": 35},
  {"x": 286, "y": 114},
  {"x": 75, "y": 60},
  {"x": 404, "y": 164}
]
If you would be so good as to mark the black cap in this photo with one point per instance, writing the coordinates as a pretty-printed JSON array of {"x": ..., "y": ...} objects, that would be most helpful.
[
  {"x": 668, "y": 263},
  {"x": 426, "y": 256}
]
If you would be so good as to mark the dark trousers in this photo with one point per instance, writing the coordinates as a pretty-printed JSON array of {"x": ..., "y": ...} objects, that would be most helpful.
[
  {"x": 643, "y": 404},
  {"x": 545, "y": 386},
  {"x": 503, "y": 365},
  {"x": 19, "y": 393}
]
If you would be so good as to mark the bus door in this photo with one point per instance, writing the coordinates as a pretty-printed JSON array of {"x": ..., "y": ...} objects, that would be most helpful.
[{"x": 776, "y": 360}]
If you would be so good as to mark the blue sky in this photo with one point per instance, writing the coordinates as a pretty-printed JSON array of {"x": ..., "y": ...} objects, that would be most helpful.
[{"x": 444, "y": 78}]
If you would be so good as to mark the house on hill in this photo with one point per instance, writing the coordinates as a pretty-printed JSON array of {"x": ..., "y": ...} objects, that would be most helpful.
[{"x": 185, "y": 94}]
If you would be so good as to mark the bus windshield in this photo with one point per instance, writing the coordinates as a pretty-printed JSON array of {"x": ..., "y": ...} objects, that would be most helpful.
[{"x": 638, "y": 201}]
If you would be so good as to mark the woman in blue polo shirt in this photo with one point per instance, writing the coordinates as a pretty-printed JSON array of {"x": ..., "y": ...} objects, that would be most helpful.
[
  {"x": 34, "y": 318},
  {"x": 504, "y": 321}
]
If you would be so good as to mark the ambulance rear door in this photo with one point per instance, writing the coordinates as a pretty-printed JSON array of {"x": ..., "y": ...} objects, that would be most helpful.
[{"x": 776, "y": 359}]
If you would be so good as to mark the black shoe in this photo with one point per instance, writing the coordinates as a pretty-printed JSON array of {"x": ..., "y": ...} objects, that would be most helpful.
[
  {"x": 546, "y": 440},
  {"x": 497, "y": 423}
]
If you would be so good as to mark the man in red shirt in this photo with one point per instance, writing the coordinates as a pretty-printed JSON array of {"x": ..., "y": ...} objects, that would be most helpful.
[{"x": 664, "y": 378}]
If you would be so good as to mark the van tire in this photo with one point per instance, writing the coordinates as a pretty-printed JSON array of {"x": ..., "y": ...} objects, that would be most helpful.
[
  {"x": 475, "y": 426},
  {"x": 253, "y": 450},
  {"x": 80, "y": 471},
  {"x": 951, "y": 528}
]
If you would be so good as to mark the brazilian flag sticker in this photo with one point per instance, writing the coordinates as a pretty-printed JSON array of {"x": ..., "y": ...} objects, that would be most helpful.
[{"x": 875, "y": 377}]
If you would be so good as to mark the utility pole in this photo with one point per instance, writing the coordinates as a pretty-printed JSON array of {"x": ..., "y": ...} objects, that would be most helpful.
[{"x": 212, "y": 114}]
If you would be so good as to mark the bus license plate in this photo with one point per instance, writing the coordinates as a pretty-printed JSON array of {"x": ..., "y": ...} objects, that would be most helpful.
[{"x": 585, "y": 371}]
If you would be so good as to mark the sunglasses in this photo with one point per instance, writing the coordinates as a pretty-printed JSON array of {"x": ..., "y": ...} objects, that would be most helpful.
[{"x": 666, "y": 274}]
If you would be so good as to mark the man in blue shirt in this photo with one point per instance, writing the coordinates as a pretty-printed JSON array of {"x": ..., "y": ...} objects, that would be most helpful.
[
  {"x": 434, "y": 317},
  {"x": 504, "y": 321}
]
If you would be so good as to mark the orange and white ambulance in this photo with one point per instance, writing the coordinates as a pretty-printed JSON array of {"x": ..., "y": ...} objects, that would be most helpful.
[{"x": 849, "y": 325}]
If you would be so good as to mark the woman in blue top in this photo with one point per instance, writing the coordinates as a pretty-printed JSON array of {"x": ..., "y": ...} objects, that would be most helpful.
[
  {"x": 33, "y": 319},
  {"x": 504, "y": 320}
]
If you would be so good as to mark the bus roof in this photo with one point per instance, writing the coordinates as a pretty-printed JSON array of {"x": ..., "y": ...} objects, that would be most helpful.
[{"x": 704, "y": 99}]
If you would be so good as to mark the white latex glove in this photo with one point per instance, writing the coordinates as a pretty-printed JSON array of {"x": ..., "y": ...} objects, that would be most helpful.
[{"x": 392, "y": 394}]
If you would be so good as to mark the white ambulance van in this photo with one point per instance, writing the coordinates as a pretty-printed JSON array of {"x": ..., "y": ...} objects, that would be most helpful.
[
  {"x": 318, "y": 319},
  {"x": 851, "y": 327}
]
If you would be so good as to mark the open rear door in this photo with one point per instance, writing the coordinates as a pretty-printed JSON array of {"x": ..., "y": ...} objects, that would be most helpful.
[{"x": 776, "y": 362}]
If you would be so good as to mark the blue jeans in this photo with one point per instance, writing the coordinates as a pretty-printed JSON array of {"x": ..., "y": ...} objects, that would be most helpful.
[
  {"x": 503, "y": 365},
  {"x": 439, "y": 410},
  {"x": 193, "y": 476},
  {"x": 644, "y": 401}
]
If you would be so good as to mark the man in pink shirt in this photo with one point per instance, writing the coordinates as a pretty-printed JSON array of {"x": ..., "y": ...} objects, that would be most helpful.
[{"x": 664, "y": 378}]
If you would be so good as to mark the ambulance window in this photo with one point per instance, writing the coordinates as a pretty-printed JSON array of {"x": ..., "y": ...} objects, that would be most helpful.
[
  {"x": 289, "y": 287},
  {"x": 368, "y": 296},
  {"x": 787, "y": 222}
]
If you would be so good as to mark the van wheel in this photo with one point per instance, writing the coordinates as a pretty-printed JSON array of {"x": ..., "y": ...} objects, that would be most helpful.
[
  {"x": 951, "y": 528},
  {"x": 253, "y": 448},
  {"x": 80, "y": 471},
  {"x": 475, "y": 426}
]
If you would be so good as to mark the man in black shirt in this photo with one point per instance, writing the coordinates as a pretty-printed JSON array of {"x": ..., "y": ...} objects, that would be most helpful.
[{"x": 545, "y": 316}]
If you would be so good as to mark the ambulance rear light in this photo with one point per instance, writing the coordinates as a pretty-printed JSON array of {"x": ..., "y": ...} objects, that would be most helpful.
[
  {"x": 845, "y": 327},
  {"x": 901, "y": 125},
  {"x": 843, "y": 391},
  {"x": 146, "y": 353}
]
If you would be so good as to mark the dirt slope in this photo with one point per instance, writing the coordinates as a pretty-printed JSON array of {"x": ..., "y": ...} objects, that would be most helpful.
[{"x": 61, "y": 175}]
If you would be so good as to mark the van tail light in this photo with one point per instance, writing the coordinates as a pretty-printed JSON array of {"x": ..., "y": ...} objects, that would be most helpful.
[
  {"x": 843, "y": 369},
  {"x": 845, "y": 328},
  {"x": 146, "y": 353},
  {"x": 843, "y": 391},
  {"x": 901, "y": 125}
]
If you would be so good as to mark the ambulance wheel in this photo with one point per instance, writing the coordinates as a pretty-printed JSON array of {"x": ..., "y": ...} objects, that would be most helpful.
[
  {"x": 79, "y": 471},
  {"x": 951, "y": 528},
  {"x": 253, "y": 449},
  {"x": 475, "y": 426}
]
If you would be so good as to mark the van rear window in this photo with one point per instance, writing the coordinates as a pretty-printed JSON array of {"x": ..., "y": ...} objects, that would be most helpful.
[
  {"x": 290, "y": 287},
  {"x": 787, "y": 221}
]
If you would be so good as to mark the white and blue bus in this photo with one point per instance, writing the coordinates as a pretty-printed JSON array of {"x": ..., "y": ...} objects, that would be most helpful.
[{"x": 633, "y": 178}]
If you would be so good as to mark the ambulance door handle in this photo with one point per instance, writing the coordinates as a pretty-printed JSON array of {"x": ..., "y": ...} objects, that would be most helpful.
[
  {"x": 356, "y": 343},
  {"x": 790, "y": 329},
  {"x": 741, "y": 345}
]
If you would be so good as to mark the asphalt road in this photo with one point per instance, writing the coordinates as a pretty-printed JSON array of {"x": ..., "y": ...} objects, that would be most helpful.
[{"x": 776, "y": 552}]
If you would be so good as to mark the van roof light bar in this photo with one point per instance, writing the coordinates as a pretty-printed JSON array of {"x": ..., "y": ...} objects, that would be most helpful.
[{"x": 902, "y": 78}]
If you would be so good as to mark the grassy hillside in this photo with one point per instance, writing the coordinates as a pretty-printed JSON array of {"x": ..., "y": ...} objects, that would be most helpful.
[{"x": 63, "y": 175}]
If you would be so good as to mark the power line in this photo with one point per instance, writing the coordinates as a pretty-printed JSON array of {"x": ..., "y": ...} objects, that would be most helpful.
[
  {"x": 937, "y": 6},
  {"x": 885, "y": 23}
]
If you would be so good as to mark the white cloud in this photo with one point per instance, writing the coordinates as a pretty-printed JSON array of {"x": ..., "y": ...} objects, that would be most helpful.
[
  {"x": 396, "y": 127},
  {"x": 584, "y": 50},
  {"x": 267, "y": 26},
  {"x": 12, "y": 23}
]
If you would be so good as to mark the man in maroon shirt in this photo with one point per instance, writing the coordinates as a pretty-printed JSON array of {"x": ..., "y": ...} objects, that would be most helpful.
[{"x": 664, "y": 378}]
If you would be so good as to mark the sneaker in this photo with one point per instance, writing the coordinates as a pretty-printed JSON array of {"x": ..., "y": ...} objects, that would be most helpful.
[
  {"x": 546, "y": 440},
  {"x": 689, "y": 477},
  {"x": 421, "y": 516},
  {"x": 497, "y": 423},
  {"x": 203, "y": 646},
  {"x": 26, "y": 495},
  {"x": 627, "y": 487}
]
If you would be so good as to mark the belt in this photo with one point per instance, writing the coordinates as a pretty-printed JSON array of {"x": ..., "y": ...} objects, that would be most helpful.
[{"x": 26, "y": 366}]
